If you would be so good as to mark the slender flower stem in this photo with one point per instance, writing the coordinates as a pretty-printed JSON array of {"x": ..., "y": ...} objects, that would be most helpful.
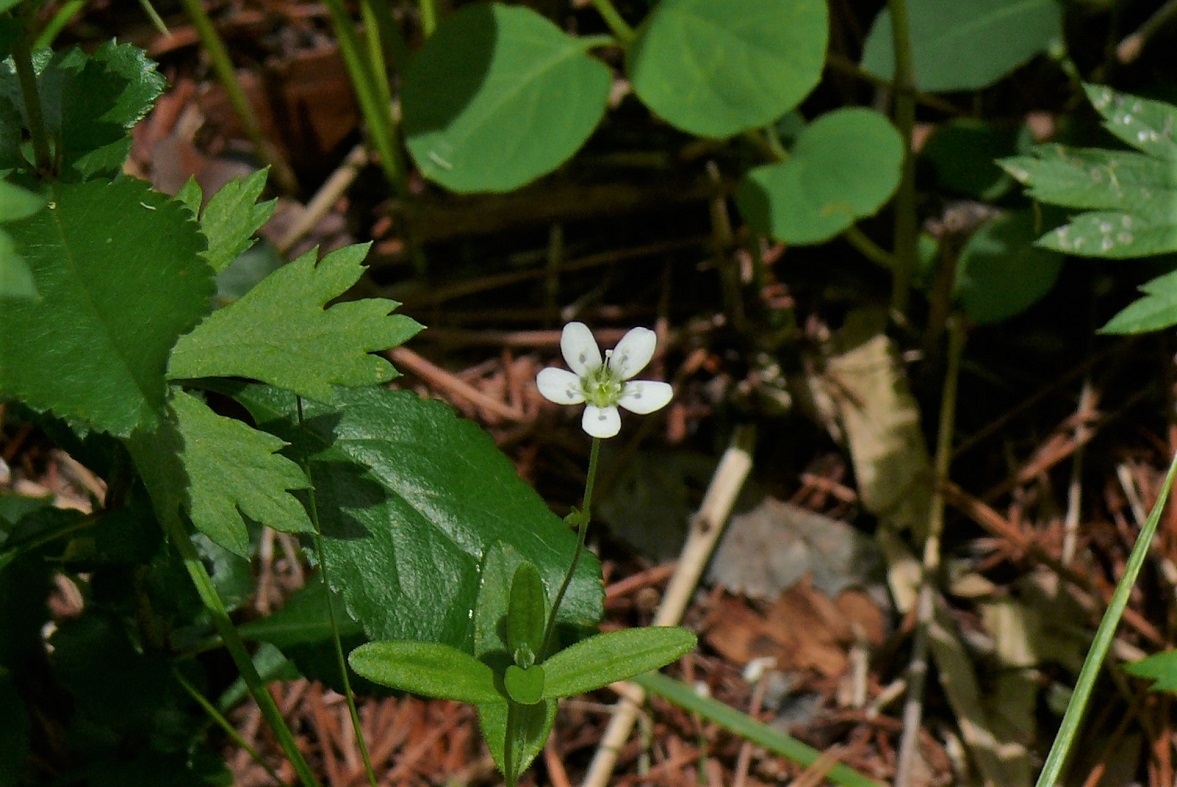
[
  {"x": 428, "y": 11},
  {"x": 339, "y": 658},
  {"x": 613, "y": 19},
  {"x": 582, "y": 522}
]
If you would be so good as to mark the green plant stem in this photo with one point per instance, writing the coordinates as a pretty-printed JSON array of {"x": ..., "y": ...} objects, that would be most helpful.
[
  {"x": 22, "y": 59},
  {"x": 60, "y": 19},
  {"x": 223, "y": 66},
  {"x": 748, "y": 728},
  {"x": 372, "y": 92},
  {"x": 428, "y": 11},
  {"x": 396, "y": 51},
  {"x": 1056, "y": 760},
  {"x": 613, "y": 19},
  {"x": 219, "y": 719},
  {"x": 905, "y": 215},
  {"x": 868, "y": 248},
  {"x": 220, "y": 618},
  {"x": 582, "y": 522},
  {"x": 918, "y": 670},
  {"x": 341, "y": 661}
]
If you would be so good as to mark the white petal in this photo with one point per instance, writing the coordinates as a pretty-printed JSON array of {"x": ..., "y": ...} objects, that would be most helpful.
[
  {"x": 559, "y": 385},
  {"x": 633, "y": 352},
  {"x": 645, "y": 396},
  {"x": 580, "y": 348},
  {"x": 601, "y": 421}
]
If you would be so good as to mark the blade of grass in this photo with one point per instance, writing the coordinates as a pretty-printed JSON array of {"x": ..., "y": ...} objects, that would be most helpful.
[
  {"x": 1056, "y": 760},
  {"x": 748, "y": 728}
]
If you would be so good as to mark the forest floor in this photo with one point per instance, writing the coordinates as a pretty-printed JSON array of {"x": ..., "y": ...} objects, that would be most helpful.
[{"x": 1062, "y": 439}]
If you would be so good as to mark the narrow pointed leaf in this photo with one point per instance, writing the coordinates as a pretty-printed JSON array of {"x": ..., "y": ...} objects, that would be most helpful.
[
  {"x": 280, "y": 333},
  {"x": 618, "y": 655},
  {"x": 526, "y": 615},
  {"x": 428, "y": 669},
  {"x": 533, "y": 725}
]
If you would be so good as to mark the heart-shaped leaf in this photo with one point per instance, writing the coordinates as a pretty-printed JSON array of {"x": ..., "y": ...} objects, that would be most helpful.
[
  {"x": 718, "y": 68},
  {"x": 525, "y": 686},
  {"x": 499, "y": 96},
  {"x": 845, "y": 166}
]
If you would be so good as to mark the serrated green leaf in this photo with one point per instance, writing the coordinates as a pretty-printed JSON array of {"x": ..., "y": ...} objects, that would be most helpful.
[
  {"x": 233, "y": 469},
  {"x": 964, "y": 44},
  {"x": 114, "y": 297},
  {"x": 1144, "y": 124},
  {"x": 191, "y": 196},
  {"x": 845, "y": 166},
  {"x": 1159, "y": 667},
  {"x": 428, "y": 669},
  {"x": 410, "y": 498},
  {"x": 1001, "y": 272},
  {"x": 618, "y": 655},
  {"x": 499, "y": 96},
  {"x": 232, "y": 216},
  {"x": 1112, "y": 235},
  {"x": 281, "y": 334},
  {"x": 1154, "y": 311},
  {"x": 716, "y": 69},
  {"x": 1097, "y": 179},
  {"x": 89, "y": 102}
]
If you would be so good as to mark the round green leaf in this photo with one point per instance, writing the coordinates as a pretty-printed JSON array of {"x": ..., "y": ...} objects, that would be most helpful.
[
  {"x": 525, "y": 686},
  {"x": 964, "y": 44},
  {"x": 1001, "y": 272},
  {"x": 499, "y": 96},
  {"x": 718, "y": 68},
  {"x": 845, "y": 166}
]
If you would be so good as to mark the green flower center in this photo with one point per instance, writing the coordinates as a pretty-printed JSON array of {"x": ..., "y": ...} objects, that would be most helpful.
[{"x": 602, "y": 386}]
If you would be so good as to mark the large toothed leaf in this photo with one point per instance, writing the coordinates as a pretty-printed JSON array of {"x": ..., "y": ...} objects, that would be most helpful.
[
  {"x": 281, "y": 334},
  {"x": 217, "y": 469},
  {"x": 410, "y": 498},
  {"x": 232, "y": 469},
  {"x": 1131, "y": 196},
  {"x": 231, "y": 217},
  {"x": 114, "y": 297},
  {"x": 89, "y": 104}
]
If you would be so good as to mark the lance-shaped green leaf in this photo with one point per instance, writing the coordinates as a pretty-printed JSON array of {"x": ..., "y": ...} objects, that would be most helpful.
[
  {"x": 607, "y": 658},
  {"x": 531, "y": 724},
  {"x": 120, "y": 276},
  {"x": 716, "y": 69},
  {"x": 428, "y": 669},
  {"x": 231, "y": 217},
  {"x": 233, "y": 469},
  {"x": 89, "y": 104},
  {"x": 527, "y": 615},
  {"x": 499, "y": 96},
  {"x": 280, "y": 333}
]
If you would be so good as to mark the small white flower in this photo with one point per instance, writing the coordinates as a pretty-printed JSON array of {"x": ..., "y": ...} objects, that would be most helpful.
[{"x": 602, "y": 385}]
